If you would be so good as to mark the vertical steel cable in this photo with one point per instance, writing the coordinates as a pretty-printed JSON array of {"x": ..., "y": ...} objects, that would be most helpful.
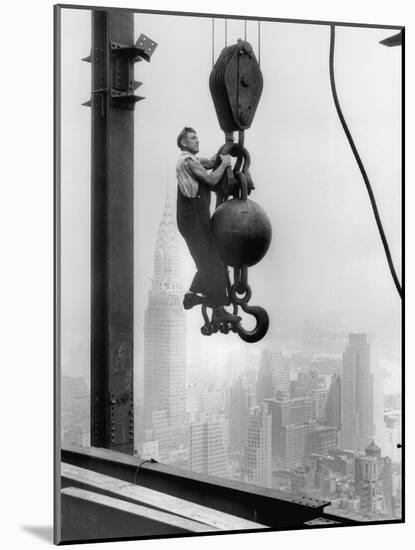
[
  {"x": 259, "y": 43},
  {"x": 226, "y": 33},
  {"x": 213, "y": 42},
  {"x": 245, "y": 31},
  {"x": 360, "y": 164}
]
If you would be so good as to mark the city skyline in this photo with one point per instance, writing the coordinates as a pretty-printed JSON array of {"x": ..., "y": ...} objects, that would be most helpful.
[
  {"x": 308, "y": 422},
  {"x": 272, "y": 416},
  {"x": 211, "y": 410}
]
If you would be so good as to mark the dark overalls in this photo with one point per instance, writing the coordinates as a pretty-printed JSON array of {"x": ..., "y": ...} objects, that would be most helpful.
[{"x": 194, "y": 223}]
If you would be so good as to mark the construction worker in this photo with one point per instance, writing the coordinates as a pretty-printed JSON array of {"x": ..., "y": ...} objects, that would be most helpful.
[{"x": 195, "y": 184}]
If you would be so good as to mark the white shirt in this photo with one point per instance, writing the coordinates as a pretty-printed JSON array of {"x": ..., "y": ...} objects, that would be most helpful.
[{"x": 187, "y": 183}]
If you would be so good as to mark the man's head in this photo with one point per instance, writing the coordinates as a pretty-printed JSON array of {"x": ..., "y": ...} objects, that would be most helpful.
[{"x": 187, "y": 140}]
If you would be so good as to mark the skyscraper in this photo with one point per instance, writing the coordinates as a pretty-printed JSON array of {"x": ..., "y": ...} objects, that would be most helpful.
[
  {"x": 324, "y": 439},
  {"x": 295, "y": 444},
  {"x": 319, "y": 398},
  {"x": 306, "y": 382},
  {"x": 164, "y": 329},
  {"x": 213, "y": 399},
  {"x": 333, "y": 409},
  {"x": 293, "y": 424},
  {"x": 257, "y": 455},
  {"x": 240, "y": 403},
  {"x": 362, "y": 397},
  {"x": 264, "y": 385},
  {"x": 373, "y": 481},
  {"x": 273, "y": 362},
  {"x": 208, "y": 445},
  {"x": 75, "y": 421},
  {"x": 74, "y": 395}
]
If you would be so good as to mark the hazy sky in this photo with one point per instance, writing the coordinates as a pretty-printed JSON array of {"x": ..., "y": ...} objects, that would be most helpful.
[{"x": 326, "y": 259}]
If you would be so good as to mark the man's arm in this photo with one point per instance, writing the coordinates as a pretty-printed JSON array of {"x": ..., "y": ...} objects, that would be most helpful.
[
  {"x": 200, "y": 174},
  {"x": 209, "y": 163}
]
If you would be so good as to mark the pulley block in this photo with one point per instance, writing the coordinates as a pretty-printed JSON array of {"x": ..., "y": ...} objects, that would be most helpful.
[{"x": 236, "y": 85}]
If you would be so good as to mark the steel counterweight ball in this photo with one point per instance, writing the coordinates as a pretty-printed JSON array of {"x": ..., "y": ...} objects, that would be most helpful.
[{"x": 242, "y": 232}]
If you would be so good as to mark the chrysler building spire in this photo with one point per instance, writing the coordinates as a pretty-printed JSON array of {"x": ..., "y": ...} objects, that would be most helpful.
[{"x": 167, "y": 273}]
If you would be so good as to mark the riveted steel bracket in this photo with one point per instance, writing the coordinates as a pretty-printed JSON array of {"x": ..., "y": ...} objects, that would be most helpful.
[
  {"x": 142, "y": 49},
  {"x": 146, "y": 46},
  {"x": 124, "y": 100},
  {"x": 114, "y": 67}
]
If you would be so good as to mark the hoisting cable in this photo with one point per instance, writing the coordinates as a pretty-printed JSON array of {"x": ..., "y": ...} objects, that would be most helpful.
[
  {"x": 360, "y": 164},
  {"x": 213, "y": 42},
  {"x": 259, "y": 43}
]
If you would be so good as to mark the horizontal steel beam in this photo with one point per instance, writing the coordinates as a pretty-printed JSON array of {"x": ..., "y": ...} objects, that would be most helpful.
[
  {"x": 87, "y": 515},
  {"x": 136, "y": 493},
  {"x": 275, "y": 509}
]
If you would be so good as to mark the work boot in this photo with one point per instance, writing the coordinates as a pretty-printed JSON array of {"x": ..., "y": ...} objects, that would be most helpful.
[
  {"x": 191, "y": 299},
  {"x": 220, "y": 316}
]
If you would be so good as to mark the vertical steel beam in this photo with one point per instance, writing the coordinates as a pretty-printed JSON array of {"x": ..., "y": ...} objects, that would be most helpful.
[{"x": 112, "y": 267}]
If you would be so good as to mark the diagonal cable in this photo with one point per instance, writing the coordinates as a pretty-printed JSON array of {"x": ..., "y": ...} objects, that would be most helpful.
[{"x": 360, "y": 164}]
